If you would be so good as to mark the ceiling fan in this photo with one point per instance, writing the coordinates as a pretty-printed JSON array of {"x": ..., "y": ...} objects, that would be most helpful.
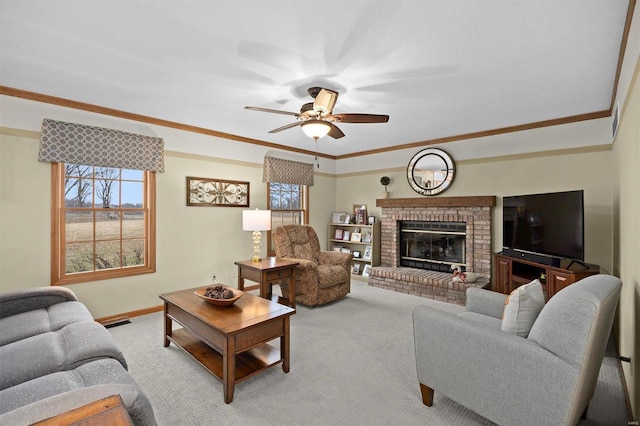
[{"x": 316, "y": 118}]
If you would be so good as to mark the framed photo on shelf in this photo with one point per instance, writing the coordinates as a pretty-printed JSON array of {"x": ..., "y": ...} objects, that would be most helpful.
[
  {"x": 367, "y": 253},
  {"x": 367, "y": 238},
  {"x": 356, "y": 237},
  {"x": 366, "y": 270},
  {"x": 371, "y": 220},
  {"x": 339, "y": 217},
  {"x": 360, "y": 213},
  {"x": 347, "y": 219},
  {"x": 356, "y": 254},
  {"x": 345, "y": 250},
  {"x": 337, "y": 248},
  {"x": 355, "y": 268},
  {"x": 346, "y": 235},
  {"x": 337, "y": 234}
]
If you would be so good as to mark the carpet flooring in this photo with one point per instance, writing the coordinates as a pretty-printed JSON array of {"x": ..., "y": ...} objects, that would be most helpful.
[{"x": 352, "y": 363}]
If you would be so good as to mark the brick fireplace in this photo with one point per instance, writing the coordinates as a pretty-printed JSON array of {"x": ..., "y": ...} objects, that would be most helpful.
[{"x": 476, "y": 215}]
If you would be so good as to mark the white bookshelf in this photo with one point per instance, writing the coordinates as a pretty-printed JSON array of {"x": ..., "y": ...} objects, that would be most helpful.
[{"x": 368, "y": 245}]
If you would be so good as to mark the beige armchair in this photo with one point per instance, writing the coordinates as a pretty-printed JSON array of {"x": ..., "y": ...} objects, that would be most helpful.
[{"x": 321, "y": 276}]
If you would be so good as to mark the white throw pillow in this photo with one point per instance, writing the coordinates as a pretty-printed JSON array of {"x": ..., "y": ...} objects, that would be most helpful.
[{"x": 522, "y": 308}]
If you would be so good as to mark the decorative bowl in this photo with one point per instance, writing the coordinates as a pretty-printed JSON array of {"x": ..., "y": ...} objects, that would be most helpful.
[{"x": 237, "y": 294}]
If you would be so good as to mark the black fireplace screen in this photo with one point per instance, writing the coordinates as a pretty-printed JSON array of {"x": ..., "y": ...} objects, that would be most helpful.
[{"x": 432, "y": 245}]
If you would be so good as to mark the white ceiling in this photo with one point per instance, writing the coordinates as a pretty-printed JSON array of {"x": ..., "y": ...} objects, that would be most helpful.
[{"x": 438, "y": 68}]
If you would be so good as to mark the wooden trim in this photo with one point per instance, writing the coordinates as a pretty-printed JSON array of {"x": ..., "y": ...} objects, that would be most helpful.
[
  {"x": 68, "y": 103},
  {"x": 55, "y": 223},
  {"x": 484, "y": 133},
  {"x": 150, "y": 257},
  {"x": 8, "y": 91},
  {"x": 623, "y": 47},
  {"x": 474, "y": 201},
  {"x": 131, "y": 314}
]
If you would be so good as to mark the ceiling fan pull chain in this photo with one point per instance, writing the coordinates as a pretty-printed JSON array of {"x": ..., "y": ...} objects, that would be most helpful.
[{"x": 317, "y": 162}]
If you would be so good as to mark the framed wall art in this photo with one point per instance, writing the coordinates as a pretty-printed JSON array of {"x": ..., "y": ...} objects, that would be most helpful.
[{"x": 217, "y": 193}]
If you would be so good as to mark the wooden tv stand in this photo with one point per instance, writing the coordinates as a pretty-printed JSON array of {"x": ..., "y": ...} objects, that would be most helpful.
[{"x": 511, "y": 272}]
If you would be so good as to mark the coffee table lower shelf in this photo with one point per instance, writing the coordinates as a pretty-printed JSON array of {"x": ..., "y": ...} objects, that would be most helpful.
[{"x": 248, "y": 363}]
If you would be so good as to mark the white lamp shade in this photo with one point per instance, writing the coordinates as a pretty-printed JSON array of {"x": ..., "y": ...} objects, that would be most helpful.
[
  {"x": 256, "y": 220},
  {"x": 315, "y": 128}
]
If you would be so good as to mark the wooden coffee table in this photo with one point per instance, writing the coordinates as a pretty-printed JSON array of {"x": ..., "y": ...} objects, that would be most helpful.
[{"x": 230, "y": 342}]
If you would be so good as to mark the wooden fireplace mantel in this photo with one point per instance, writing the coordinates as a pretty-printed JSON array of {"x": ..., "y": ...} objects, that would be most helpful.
[{"x": 474, "y": 201}]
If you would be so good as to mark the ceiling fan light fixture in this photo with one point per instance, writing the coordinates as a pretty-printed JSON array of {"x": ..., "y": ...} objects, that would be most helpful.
[{"x": 315, "y": 129}]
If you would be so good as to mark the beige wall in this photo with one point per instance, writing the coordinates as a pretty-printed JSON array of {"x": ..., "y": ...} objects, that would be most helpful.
[
  {"x": 626, "y": 232},
  {"x": 195, "y": 241},
  {"x": 562, "y": 171},
  {"x": 192, "y": 242}
]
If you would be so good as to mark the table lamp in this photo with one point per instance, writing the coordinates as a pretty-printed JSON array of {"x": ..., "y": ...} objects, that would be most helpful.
[{"x": 256, "y": 221}]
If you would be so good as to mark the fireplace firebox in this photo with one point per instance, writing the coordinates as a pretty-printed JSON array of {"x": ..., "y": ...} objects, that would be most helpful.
[{"x": 432, "y": 245}]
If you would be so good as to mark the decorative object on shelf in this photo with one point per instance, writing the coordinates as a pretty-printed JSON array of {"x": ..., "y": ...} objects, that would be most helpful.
[
  {"x": 339, "y": 217},
  {"x": 463, "y": 277},
  {"x": 338, "y": 234},
  {"x": 360, "y": 214},
  {"x": 337, "y": 248},
  {"x": 366, "y": 270},
  {"x": 355, "y": 269},
  {"x": 347, "y": 219},
  {"x": 367, "y": 238},
  {"x": 385, "y": 180},
  {"x": 371, "y": 220},
  {"x": 367, "y": 253},
  {"x": 356, "y": 254},
  {"x": 345, "y": 250},
  {"x": 431, "y": 171},
  {"x": 356, "y": 237},
  {"x": 219, "y": 294},
  {"x": 217, "y": 193},
  {"x": 346, "y": 235},
  {"x": 256, "y": 221}
]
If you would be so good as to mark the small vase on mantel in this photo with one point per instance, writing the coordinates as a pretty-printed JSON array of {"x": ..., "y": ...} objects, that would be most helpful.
[{"x": 385, "y": 180}]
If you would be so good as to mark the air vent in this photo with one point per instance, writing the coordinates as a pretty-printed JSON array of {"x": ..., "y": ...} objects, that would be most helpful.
[{"x": 616, "y": 121}]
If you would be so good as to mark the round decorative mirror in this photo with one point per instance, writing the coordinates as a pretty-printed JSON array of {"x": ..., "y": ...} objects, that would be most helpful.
[{"x": 431, "y": 171}]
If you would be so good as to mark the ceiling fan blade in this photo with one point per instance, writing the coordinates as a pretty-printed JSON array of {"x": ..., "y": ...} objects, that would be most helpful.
[
  {"x": 288, "y": 126},
  {"x": 335, "y": 132},
  {"x": 359, "y": 118},
  {"x": 325, "y": 101},
  {"x": 274, "y": 111}
]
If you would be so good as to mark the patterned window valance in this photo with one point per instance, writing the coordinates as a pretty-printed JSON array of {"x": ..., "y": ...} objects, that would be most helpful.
[
  {"x": 96, "y": 146},
  {"x": 287, "y": 171}
]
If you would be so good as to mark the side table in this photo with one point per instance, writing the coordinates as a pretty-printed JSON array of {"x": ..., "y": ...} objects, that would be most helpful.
[{"x": 266, "y": 273}]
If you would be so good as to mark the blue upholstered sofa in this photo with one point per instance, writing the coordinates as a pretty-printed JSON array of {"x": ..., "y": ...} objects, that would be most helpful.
[{"x": 54, "y": 358}]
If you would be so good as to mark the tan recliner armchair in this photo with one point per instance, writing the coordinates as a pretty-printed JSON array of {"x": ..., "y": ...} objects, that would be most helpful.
[{"x": 321, "y": 276}]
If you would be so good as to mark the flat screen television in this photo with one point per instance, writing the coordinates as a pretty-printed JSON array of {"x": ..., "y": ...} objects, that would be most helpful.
[{"x": 550, "y": 224}]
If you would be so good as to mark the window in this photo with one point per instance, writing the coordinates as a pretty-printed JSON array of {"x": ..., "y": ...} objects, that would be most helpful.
[
  {"x": 289, "y": 204},
  {"x": 103, "y": 223}
]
